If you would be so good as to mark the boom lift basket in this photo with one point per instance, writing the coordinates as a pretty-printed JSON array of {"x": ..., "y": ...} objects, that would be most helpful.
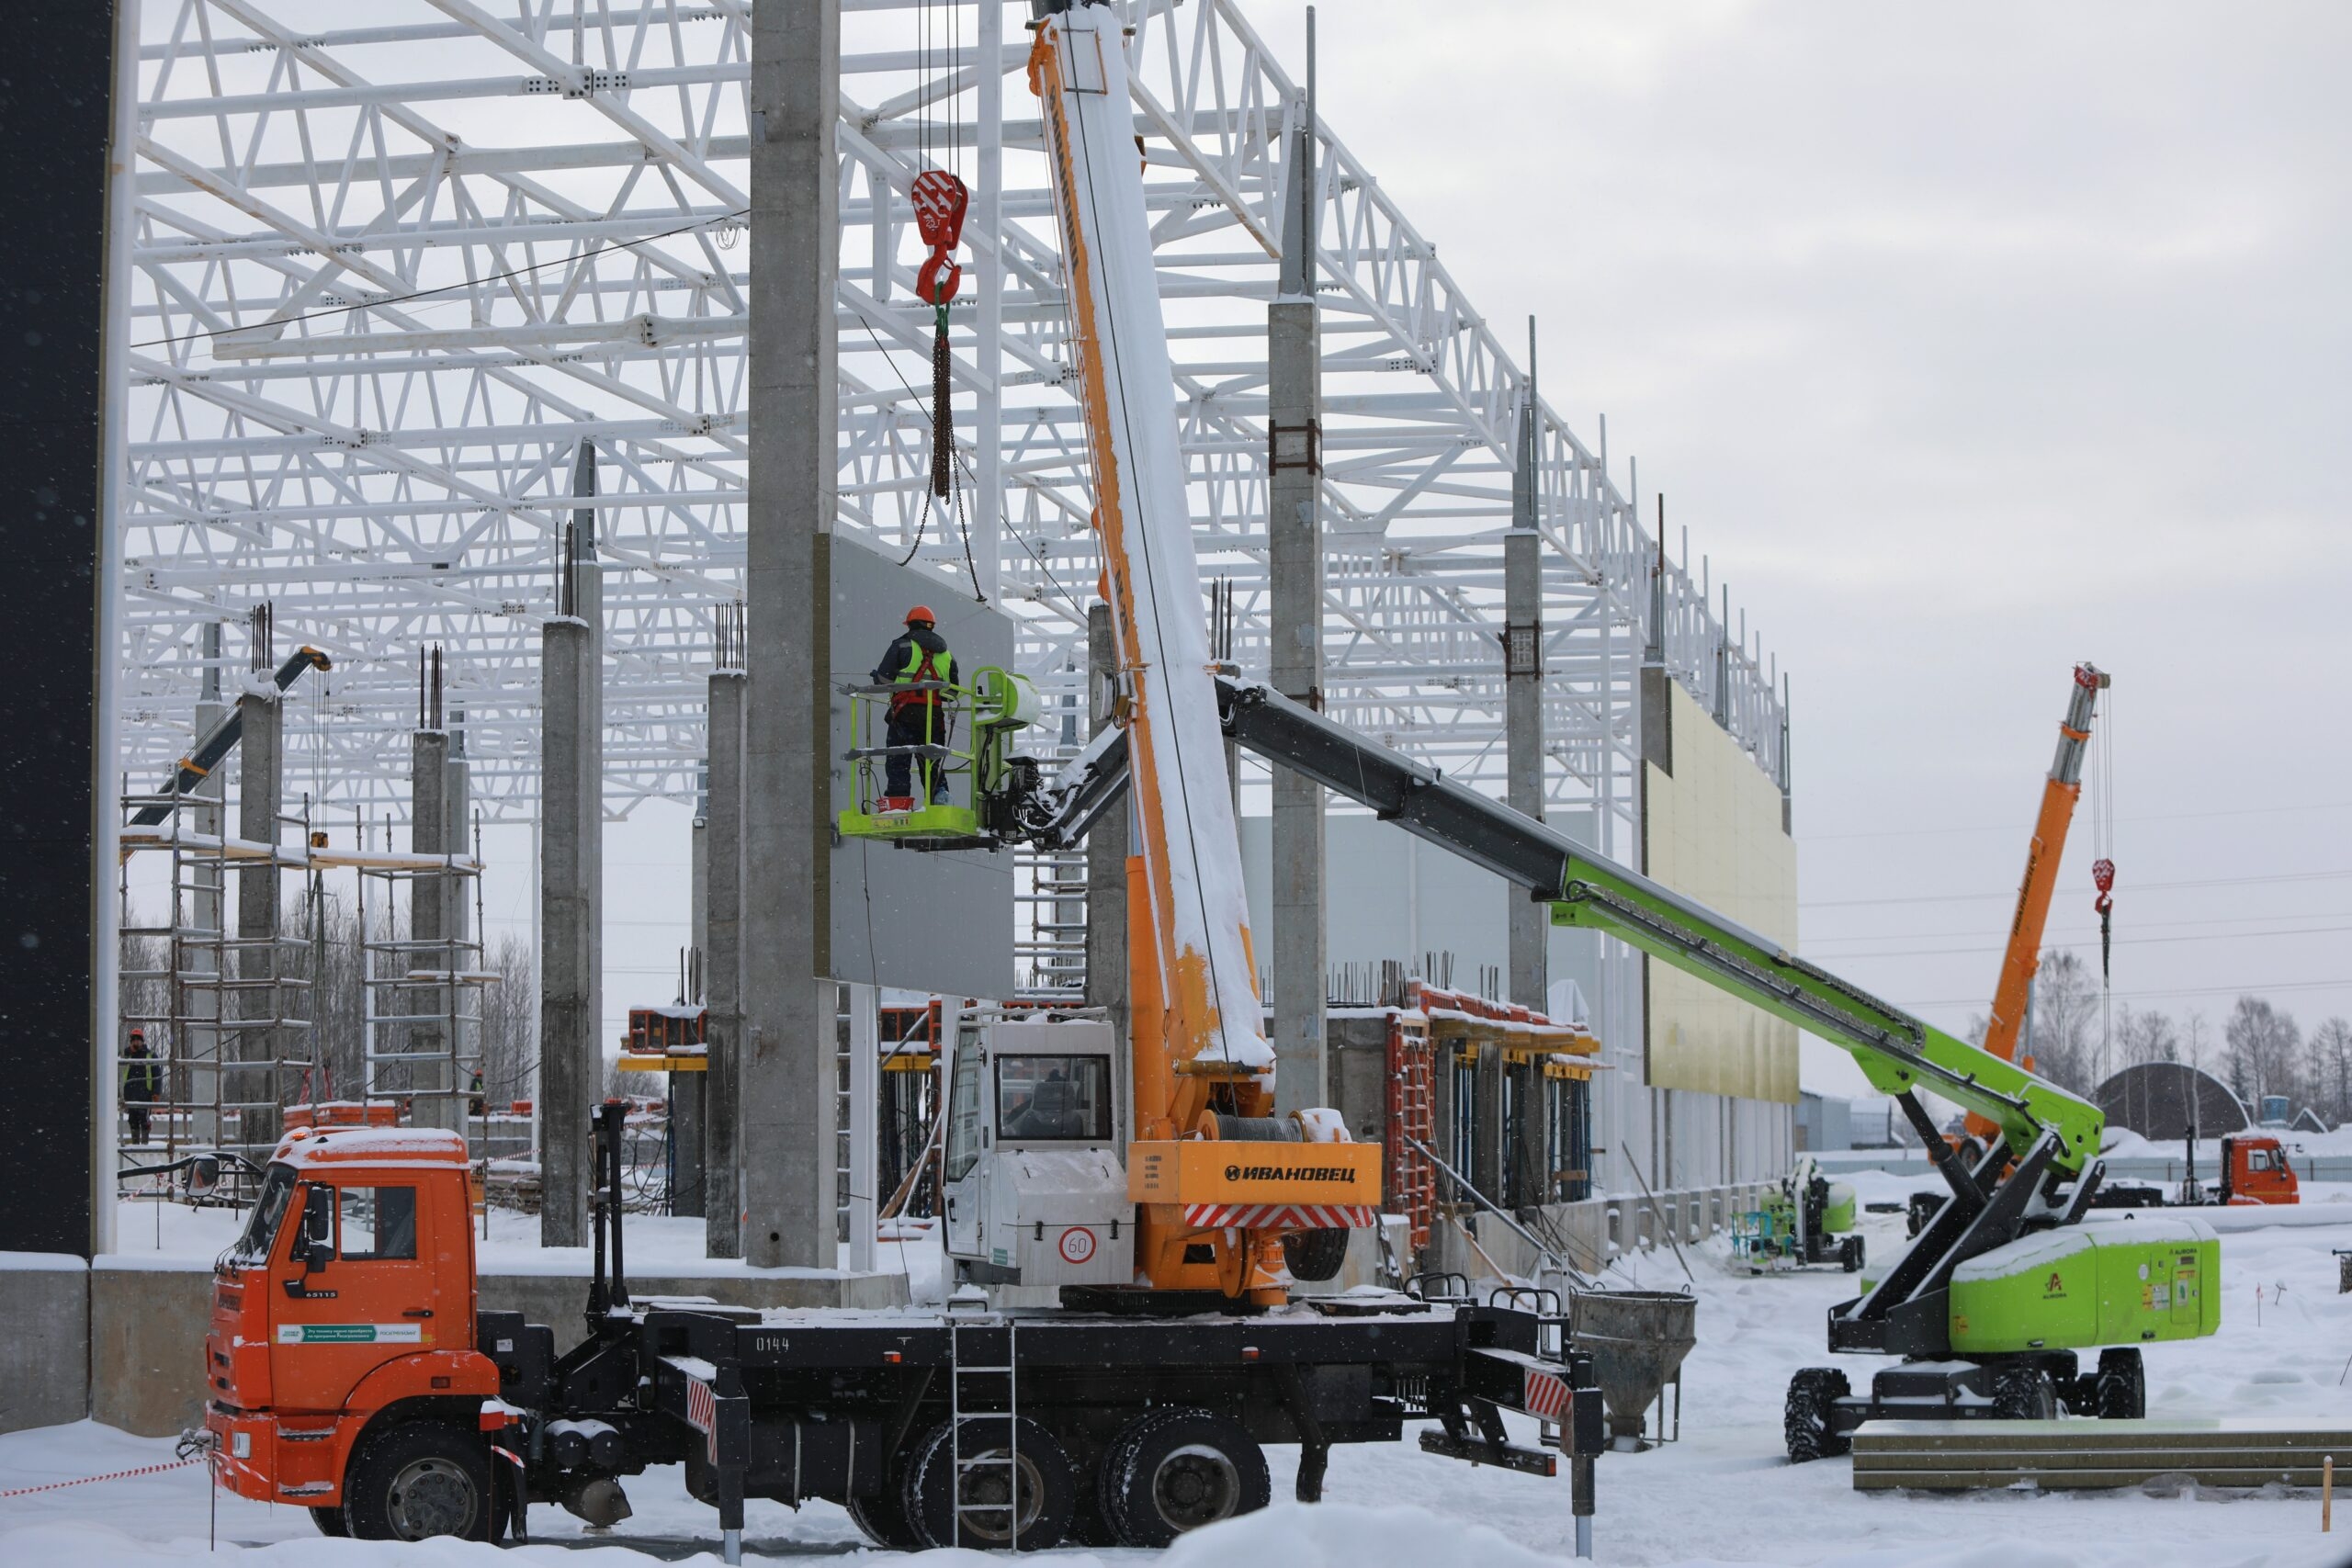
[{"x": 969, "y": 749}]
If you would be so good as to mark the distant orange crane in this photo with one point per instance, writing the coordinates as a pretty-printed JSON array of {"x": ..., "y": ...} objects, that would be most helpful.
[{"x": 2023, "y": 956}]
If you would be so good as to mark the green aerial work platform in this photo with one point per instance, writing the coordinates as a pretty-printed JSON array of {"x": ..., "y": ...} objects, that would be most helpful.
[{"x": 988, "y": 714}]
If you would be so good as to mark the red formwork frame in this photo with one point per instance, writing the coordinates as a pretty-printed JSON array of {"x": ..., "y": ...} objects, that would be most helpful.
[{"x": 1410, "y": 1181}]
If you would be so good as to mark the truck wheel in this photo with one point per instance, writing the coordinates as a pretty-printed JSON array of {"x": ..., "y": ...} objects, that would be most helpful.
[
  {"x": 1849, "y": 1254},
  {"x": 1175, "y": 1470},
  {"x": 416, "y": 1480},
  {"x": 330, "y": 1522},
  {"x": 2024, "y": 1392},
  {"x": 1315, "y": 1256},
  {"x": 883, "y": 1518},
  {"x": 2123, "y": 1385},
  {"x": 1806, "y": 1424},
  {"x": 1038, "y": 1488}
]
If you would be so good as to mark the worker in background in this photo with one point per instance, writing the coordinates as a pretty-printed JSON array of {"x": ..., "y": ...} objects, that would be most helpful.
[
  {"x": 140, "y": 1085},
  {"x": 919, "y": 717}
]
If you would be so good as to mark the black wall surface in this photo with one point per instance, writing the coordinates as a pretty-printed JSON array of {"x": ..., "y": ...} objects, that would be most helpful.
[{"x": 54, "y": 123}]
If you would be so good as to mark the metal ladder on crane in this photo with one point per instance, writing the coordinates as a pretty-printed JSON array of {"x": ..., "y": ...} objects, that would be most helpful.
[{"x": 967, "y": 1387}]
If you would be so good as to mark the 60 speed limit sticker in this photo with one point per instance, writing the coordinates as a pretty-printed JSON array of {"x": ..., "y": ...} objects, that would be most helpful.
[{"x": 1078, "y": 1245}]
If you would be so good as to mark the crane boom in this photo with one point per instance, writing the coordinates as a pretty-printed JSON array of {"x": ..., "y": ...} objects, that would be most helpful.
[
  {"x": 1205, "y": 972},
  {"x": 2022, "y": 958}
]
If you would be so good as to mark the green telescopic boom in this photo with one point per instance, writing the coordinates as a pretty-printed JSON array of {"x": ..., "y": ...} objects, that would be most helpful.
[{"x": 1897, "y": 1051}]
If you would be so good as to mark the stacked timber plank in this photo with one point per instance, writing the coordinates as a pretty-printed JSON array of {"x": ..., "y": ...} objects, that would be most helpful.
[{"x": 1961, "y": 1456}]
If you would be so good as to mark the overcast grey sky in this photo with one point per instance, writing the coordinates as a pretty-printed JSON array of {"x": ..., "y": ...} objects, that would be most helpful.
[{"x": 1969, "y": 341}]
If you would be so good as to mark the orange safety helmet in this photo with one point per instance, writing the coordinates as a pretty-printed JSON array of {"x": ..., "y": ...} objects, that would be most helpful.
[{"x": 921, "y": 613}]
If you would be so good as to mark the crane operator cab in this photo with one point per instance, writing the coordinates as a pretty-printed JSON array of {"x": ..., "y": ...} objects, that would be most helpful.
[{"x": 1036, "y": 1194}]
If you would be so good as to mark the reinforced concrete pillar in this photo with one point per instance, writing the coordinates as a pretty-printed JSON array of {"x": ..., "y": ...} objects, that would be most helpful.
[
  {"x": 458, "y": 926},
  {"x": 1523, "y": 689},
  {"x": 722, "y": 965},
  {"x": 426, "y": 1078},
  {"x": 1106, "y": 867},
  {"x": 196, "y": 1082},
  {"x": 253, "y": 1086},
  {"x": 1294, "y": 560},
  {"x": 788, "y": 1092},
  {"x": 568, "y": 1061},
  {"x": 689, "y": 1092}
]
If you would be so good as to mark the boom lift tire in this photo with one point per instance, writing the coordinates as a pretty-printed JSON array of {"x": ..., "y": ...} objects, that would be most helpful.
[
  {"x": 1805, "y": 1427},
  {"x": 417, "y": 1480},
  {"x": 883, "y": 1518},
  {"x": 1175, "y": 1470},
  {"x": 2024, "y": 1392},
  {"x": 1849, "y": 1254},
  {"x": 1044, "y": 1493},
  {"x": 2121, "y": 1385},
  {"x": 330, "y": 1522},
  {"x": 1315, "y": 1256}
]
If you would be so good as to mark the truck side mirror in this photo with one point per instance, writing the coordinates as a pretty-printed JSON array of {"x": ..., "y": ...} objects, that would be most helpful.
[{"x": 315, "y": 1246}]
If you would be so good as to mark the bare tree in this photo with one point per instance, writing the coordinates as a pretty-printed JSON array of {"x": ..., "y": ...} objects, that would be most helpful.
[
  {"x": 2331, "y": 1071},
  {"x": 2150, "y": 1036},
  {"x": 2263, "y": 1046},
  {"x": 2065, "y": 1022}
]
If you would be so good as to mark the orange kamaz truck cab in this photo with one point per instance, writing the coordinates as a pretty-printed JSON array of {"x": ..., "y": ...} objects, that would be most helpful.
[{"x": 341, "y": 1360}]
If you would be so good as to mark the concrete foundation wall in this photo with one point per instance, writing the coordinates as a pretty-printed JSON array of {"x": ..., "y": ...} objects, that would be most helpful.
[
  {"x": 147, "y": 1346},
  {"x": 45, "y": 1351}
]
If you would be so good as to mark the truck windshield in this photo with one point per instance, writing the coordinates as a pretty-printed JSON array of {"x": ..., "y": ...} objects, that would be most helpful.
[
  {"x": 252, "y": 1245},
  {"x": 1060, "y": 1098}
]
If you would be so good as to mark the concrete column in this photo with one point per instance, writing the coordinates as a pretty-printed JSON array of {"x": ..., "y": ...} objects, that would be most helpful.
[
  {"x": 689, "y": 1092},
  {"x": 568, "y": 1061},
  {"x": 1106, "y": 865},
  {"x": 722, "y": 965},
  {"x": 588, "y": 600},
  {"x": 1294, "y": 564},
  {"x": 260, "y": 785},
  {"x": 198, "y": 1086},
  {"x": 865, "y": 1118},
  {"x": 1523, "y": 690},
  {"x": 787, "y": 1090},
  {"x": 457, "y": 923},
  {"x": 428, "y": 1080}
]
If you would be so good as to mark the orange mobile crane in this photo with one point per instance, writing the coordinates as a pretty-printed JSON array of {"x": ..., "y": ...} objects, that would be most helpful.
[{"x": 2044, "y": 852}]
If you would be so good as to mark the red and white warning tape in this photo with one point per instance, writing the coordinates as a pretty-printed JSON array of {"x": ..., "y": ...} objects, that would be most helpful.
[{"x": 118, "y": 1476}]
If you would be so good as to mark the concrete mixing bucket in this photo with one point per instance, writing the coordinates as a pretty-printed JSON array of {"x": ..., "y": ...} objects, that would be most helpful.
[{"x": 1637, "y": 1340}]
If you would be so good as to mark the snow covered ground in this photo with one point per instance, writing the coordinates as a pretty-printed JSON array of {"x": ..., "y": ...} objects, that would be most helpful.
[{"x": 1721, "y": 1495}]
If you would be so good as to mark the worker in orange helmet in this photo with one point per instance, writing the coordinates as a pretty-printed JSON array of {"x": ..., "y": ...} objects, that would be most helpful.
[{"x": 919, "y": 660}]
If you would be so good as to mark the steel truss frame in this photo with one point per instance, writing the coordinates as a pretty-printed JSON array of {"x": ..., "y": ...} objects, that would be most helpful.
[{"x": 387, "y": 277}]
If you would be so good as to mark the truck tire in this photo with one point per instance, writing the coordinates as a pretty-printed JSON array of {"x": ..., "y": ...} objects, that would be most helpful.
[
  {"x": 883, "y": 1518},
  {"x": 1805, "y": 1418},
  {"x": 416, "y": 1480},
  {"x": 2121, "y": 1385},
  {"x": 1316, "y": 1256},
  {"x": 2024, "y": 1392},
  {"x": 330, "y": 1522},
  {"x": 1849, "y": 1254},
  {"x": 1175, "y": 1470},
  {"x": 1046, "y": 1493}
]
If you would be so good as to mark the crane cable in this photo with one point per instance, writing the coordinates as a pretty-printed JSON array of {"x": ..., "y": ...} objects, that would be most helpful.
[{"x": 2103, "y": 868}]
